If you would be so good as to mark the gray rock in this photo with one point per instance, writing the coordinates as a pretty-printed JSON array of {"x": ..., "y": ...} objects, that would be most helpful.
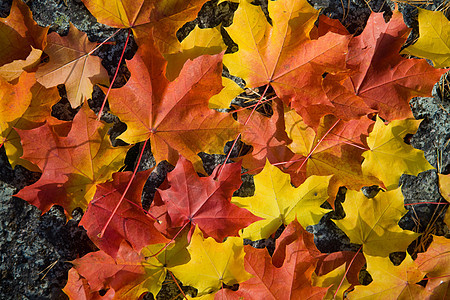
[
  {"x": 35, "y": 249},
  {"x": 352, "y": 14}
]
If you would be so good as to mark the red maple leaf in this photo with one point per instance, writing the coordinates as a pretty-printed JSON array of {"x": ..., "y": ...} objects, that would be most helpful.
[
  {"x": 204, "y": 201},
  {"x": 130, "y": 222},
  {"x": 286, "y": 275},
  {"x": 381, "y": 79}
]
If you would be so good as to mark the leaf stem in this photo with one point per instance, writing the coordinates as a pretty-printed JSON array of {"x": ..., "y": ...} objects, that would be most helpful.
[
  {"x": 346, "y": 271},
  {"x": 247, "y": 107},
  {"x": 427, "y": 202},
  {"x": 239, "y": 135},
  {"x": 318, "y": 143},
  {"x": 167, "y": 245},
  {"x": 176, "y": 282},
  {"x": 115, "y": 75},
  {"x": 100, "y": 235},
  {"x": 102, "y": 43}
]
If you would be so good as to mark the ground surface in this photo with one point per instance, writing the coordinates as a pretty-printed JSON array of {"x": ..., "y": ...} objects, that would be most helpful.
[{"x": 35, "y": 249}]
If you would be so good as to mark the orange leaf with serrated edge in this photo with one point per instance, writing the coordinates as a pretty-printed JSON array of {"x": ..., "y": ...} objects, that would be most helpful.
[
  {"x": 72, "y": 64},
  {"x": 72, "y": 165},
  {"x": 284, "y": 55},
  {"x": 36, "y": 112},
  {"x": 287, "y": 275},
  {"x": 202, "y": 201},
  {"x": 173, "y": 115},
  {"x": 130, "y": 222},
  {"x": 435, "y": 262},
  {"x": 268, "y": 139},
  {"x": 14, "y": 101}
]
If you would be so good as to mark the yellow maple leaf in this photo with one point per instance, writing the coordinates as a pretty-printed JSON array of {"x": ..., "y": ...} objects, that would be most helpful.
[
  {"x": 223, "y": 99},
  {"x": 372, "y": 222},
  {"x": 434, "y": 39},
  {"x": 199, "y": 42},
  {"x": 278, "y": 202},
  {"x": 389, "y": 156},
  {"x": 391, "y": 282},
  {"x": 444, "y": 186},
  {"x": 333, "y": 280},
  {"x": 212, "y": 264}
]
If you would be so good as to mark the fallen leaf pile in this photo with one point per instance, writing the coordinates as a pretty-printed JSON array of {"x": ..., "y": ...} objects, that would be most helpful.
[{"x": 339, "y": 117}]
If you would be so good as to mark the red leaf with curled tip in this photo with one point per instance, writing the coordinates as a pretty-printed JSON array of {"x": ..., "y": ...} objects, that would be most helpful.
[
  {"x": 204, "y": 201},
  {"x": 381, "y": 78},
  {"x": 130, "y": 222}
]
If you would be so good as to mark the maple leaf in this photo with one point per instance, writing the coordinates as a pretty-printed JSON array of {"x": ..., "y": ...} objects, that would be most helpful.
[
  {"x": 279, "y": 283},
  {"x": 14, "y": 101},
  {"x": 130, "y": 274},
  {"x": 213, "y": 264},
  {"x": 335, "y": 148},
  {"x": 71, "y": 63},
  {"x": 444, "y": 186},
  {"x": 295, "y": 250},
  {"x": 391, "y": 282},
  {"x": 72, "y": 163},
  {"x": 129, "y": 223},
  {"x": 207, "y": 41},
  {"x": 19, "y": 104},
  {"x": 372, "y": 222},
  {"x": 269, "y": 141},
  {"x": 283, "y": 55},
  {"x": 14, "y": 69},
  {"x": 25, "y": 105},
  {"x": 434, "y": 38},
  {"x": 19, "y": 33},
  {"x": 326, "y": 272},
  {"x": 78, "y": 287},
  {"x": 332, "y": 280},
  {"x": 435, "y": 262},
  {"x": 389, "y": 156},
  {"x": 163, "y": 18},
  {"x": 382, "y": 79},
  {"x": 202, "y": 201},
  {"x": 223, "y": 99},
  {"x": 174, "y": 115},
  {"x": 277, "y": 202}
]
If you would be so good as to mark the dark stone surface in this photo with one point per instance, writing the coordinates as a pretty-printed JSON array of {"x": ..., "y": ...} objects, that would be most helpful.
[{"x": 30, "y": 243}]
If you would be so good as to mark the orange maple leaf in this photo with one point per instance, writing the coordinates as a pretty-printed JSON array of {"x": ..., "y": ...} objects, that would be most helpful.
[
  {"x": 71, "y": 63},
  {"x": 20, "y": 33},
  {"x": 73, "y": 161},
  {"x": 173, "y": 115}
]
